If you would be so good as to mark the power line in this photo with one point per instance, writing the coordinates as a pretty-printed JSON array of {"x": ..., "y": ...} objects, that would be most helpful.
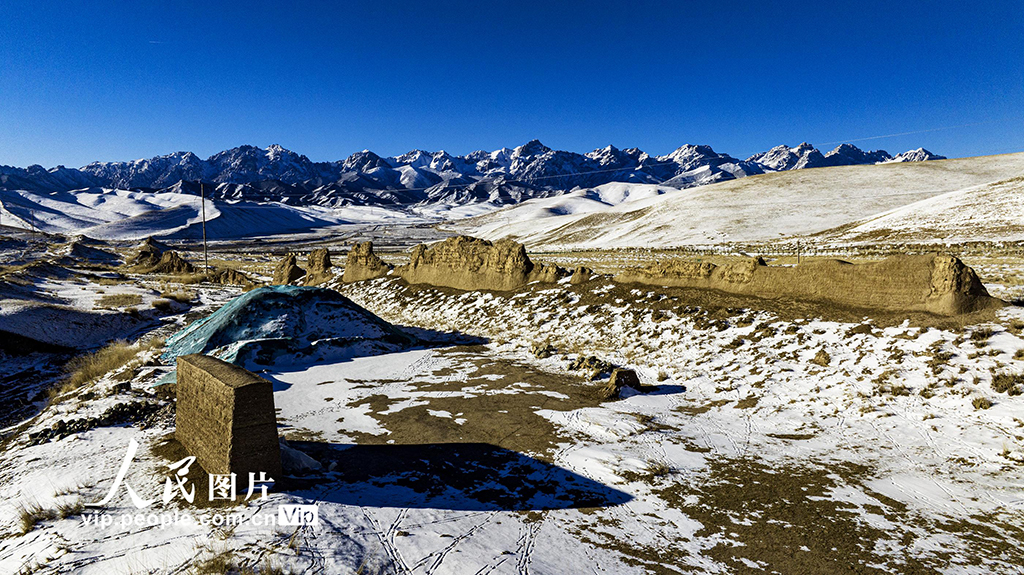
[
  {"x": 910, "y": 133},
  {"x": 202, "y": 199}
]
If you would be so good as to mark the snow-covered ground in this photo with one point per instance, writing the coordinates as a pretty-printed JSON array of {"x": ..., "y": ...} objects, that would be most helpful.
[
  {"x": 130, "y": 215},
  {"x": 771, "y": 439},
  {"x": 765, "y": 207},
  {"x": 753, "y": 450},
  {"x": 991, "y": 212},
  {"x": 862, "y": 201},
  {"x": 896, "y": 403}
]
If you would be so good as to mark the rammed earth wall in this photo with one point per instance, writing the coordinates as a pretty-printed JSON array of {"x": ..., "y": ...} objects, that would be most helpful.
[
  {"x": 469, "y": 263},
  {"x": 936, "y": 283}
]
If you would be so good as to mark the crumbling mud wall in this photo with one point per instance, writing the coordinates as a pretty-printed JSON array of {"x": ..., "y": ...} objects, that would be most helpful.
[
  {"x": 228, "y": 277},
  {"x": 154, "y": 257},
  {"x": 147, "y": 254},
  {"x": 287, "y": 271},
  {"x": 225, "y": 417},
  {"x": 581, "y": 275},
  {"x": 318, "y": 267},
  {"x": 363, "y": 264},
  {"x": 171, "y": 263},
  {"x": 467, "y": 263},
  {"x": 935, "y": 283}
]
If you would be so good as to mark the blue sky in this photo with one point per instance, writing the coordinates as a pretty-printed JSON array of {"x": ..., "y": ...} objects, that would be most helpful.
[{"x": 84, "y": 81}]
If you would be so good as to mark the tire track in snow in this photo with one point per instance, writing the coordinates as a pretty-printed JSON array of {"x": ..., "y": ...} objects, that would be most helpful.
[
  {"x": 486, "y": 569},
  {"x": 417, "y": 366},
  {"x": 526, "y": 542},
  {"x": 439, "y": 556},
  {"x": 919, "y": 466},
  {"x": 318, "y": 563},
  {"x": 387, "y": 540}
]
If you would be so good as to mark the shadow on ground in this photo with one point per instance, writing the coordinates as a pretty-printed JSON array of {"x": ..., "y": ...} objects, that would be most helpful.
[
  {"x": 455, "y": 476},
  {"x": 437, "y": 338}
]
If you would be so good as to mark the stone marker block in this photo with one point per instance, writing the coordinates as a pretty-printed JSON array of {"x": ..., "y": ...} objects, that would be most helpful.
[
  {"x": 225, "y": 417},
  {"x": 622, "y": 378},
  {"x": 625, "y": 378}
]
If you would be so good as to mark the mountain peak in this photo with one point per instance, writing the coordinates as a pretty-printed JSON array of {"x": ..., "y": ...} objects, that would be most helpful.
[
  {"x": 918, "y": 155},
  {"x": 689, "y": 156},
  {"x": 364, "y": 161},
  {"x": 844, "y": 147},
  {"x": 268, "y": 173},
  {"x": 803, "y": 148},
  {"x": 532, "y": 148},
  {"x": 848, "y": 154}
]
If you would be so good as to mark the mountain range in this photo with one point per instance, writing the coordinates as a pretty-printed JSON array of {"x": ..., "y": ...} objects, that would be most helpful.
[{"x": 502, "y": 177}]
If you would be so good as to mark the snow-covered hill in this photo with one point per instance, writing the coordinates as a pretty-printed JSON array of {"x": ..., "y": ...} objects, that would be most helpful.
[
  {"x": 129, "y": 215},
  {"x": 850, "y": 203},
  {"x": 269, "y": 191},
  {"x": 991, "y": 212},
  {"x": 911, "y": 196}
]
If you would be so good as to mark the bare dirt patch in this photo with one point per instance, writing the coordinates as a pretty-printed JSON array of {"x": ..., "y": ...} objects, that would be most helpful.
[
  {"x": 787, "y": 520},
  {"x": 496, "y": 404}
]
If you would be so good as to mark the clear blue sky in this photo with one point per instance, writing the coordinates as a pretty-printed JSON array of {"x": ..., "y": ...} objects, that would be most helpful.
[{"x": 84, "y": 81}]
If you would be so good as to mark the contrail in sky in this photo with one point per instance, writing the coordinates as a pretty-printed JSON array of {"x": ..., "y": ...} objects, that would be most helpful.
[{"x": 909, "y": 133}]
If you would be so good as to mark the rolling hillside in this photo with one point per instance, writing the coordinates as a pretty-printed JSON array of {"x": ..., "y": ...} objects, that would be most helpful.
[
  {"x": 985, "y": 191},
  {"x": 130, "y": 215},
  {"x": 991, "y": 212}
]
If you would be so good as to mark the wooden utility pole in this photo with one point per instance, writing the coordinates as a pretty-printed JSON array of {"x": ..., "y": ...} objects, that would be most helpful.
[{"x": 202, "y": 198}]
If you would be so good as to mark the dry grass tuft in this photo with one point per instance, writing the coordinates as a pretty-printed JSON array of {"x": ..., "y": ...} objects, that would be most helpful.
[
  {"x": 31, "y": 515},
  {"x": 981, "y": 403},
  {"x": 822, "y": 358},
  {"x": 88, "y": 368},
  {"x": 939, "y": 360},
  {"x": 659, "y": 469},
  {"x": 70, "y": 508},
  {"x": 180, "y": 296},
  {"x": 164, "y": 305},
  {"x": 884, "y": 385},
  {"x": 225, "y": 563},
  {"x": 1010, "y": 383},
  {"x": 218, "y": 564},
  {"x": 104, "y": 281},
  {"x": 117, "y": 301},
  {"x": 982, "y": 334}
]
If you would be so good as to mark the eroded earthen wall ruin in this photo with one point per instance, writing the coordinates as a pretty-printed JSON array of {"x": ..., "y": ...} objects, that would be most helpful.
[{"x": 935, "y": 283}]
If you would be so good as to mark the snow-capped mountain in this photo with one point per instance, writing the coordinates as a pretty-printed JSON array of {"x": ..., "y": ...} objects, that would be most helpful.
[
  {"x": 805, "y": 155},
  {"x": 36, "y": 177},
  {"x": 155, "y": 172},
  {"x": 918, "y": 155},
  {"x": 531, "y": 170},
  {"x": 849, "y": 155}
]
